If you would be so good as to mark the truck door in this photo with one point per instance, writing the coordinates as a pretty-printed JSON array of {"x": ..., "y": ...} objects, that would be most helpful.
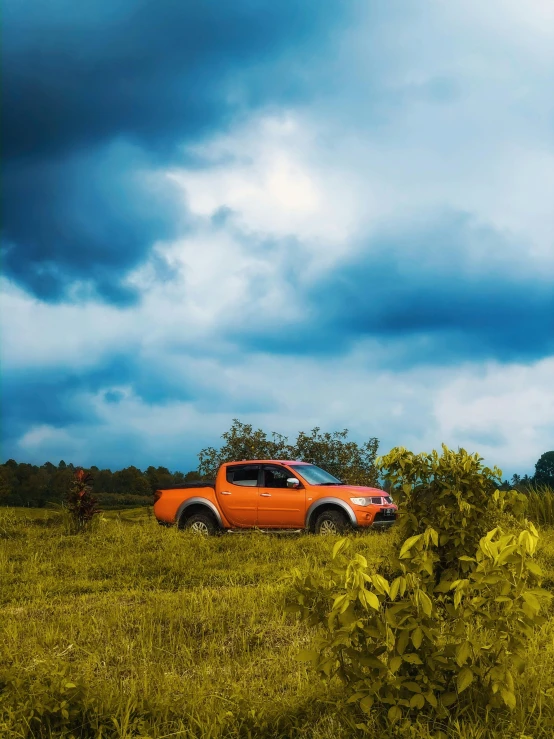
[
  {"x": 279, "y": 505},
  {"x": 238, "y": 496}
]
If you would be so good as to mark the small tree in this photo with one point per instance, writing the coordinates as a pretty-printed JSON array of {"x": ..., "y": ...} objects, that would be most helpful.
[
  {"x": 81, "y": 504},
  {"x": 345, "y": 459}
]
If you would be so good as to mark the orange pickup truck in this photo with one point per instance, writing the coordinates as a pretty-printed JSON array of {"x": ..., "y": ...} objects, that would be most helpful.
[{"x": 271, "y": 494}]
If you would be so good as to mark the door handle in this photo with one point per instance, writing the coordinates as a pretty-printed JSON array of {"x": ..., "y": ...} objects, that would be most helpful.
[
  {"x": 265, "y": 495},
  {"x": 225, "y": 492}
]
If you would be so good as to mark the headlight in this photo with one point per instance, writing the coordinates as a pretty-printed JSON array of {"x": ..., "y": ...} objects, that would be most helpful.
[{"x": 361, "y": 501}]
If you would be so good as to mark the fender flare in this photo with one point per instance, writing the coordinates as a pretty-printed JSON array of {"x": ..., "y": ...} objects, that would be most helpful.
[
  {"x": 203, "y": 501},
  {"x": 312, "y": 510}
]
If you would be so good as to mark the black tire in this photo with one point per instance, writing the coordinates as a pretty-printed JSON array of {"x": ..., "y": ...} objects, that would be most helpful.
[
  {"x": 201, "y": 523},
  {"x": 331, "y": 522}
]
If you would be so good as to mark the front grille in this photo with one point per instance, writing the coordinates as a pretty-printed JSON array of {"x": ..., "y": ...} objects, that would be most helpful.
[{"x": 385, "y": 514}]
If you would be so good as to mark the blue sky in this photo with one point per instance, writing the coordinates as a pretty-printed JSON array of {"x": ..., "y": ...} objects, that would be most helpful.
[{"x": 296, "y": 214}]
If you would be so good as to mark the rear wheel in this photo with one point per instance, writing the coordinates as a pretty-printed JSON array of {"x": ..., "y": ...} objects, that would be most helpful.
[
  {"x": 331, "y": 522},
  {"x": 202, "y": 524}
]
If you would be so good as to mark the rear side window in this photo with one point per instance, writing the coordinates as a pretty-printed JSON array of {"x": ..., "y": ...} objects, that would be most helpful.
[{"x": 246, "y": 475}]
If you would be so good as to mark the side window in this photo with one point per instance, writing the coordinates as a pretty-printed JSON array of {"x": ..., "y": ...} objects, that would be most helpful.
[
  {"x": 275, "y": 477},
  {"x": 246, "y": 474}
]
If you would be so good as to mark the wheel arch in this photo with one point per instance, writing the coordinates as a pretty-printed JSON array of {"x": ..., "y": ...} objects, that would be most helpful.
[
  {"x": 323, "y": 504},
  {"x": 196, "y": 505}
]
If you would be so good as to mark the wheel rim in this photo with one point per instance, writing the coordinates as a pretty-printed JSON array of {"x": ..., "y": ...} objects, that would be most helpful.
[
  {"x": 328, "y": 527},
  {"x": 199, "y": 527}
]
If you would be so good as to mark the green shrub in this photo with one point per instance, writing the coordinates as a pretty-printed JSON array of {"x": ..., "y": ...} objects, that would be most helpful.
[{"x": 449, "y": 629}]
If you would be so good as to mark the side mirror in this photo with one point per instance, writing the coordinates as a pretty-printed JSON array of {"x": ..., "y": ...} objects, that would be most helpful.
[{"x": 293, "y": 482}]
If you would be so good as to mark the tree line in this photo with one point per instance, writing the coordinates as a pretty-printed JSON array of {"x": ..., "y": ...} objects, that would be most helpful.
[{"x": 23, "y": 484}]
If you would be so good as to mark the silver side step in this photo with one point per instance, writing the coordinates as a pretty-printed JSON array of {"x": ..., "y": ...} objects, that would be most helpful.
[{"x": 264, "y": 531}]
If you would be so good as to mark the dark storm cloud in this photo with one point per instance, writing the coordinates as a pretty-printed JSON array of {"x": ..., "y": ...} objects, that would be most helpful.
[
  {"x": 436, "y": 295},
  {"x": 83, "y": 83},
  {"x": 88, "y": 217}
]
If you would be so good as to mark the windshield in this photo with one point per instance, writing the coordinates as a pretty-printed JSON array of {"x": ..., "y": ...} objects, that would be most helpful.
[{"x": 314, "y": 475}]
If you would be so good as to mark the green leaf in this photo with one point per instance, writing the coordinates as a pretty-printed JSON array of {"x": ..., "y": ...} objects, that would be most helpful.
[
  {"x": 70, "y": 685},
  {"x": 366, "y": 703},
  {"x": 394, "y": 663},
  {"x": 339, "y": 547},
  {"x": 408, "y": 544},
  {"x": 356, "y": 697},
  {"x": 372, "y": 600},
  {"x": 426, "y": 604},
  {"x": 381, "y": 584},
  {"x": 431, "y": 698},
  {"x": 395, "y": 585},
  {"x": 411, "y": 686},
  {"x": 417, "y": 637},
  {"x": 448, "y": 699},
  {"x": 509, "y": 698},
  {"x": 402, "y": 641},
  {"x": 417, "y": 701},
  {"x": 531, "y": 601},
  {"x": 394, "y": 714},
  {"x": 464, "y": 680},
  {"x": 533, "y": 567},
  {"x": 413, "y": 659},
  {"x": 463, "y": 653}
]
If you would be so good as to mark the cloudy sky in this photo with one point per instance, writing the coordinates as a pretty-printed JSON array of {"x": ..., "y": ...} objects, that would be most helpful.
[{"x": 298, "y": 214}]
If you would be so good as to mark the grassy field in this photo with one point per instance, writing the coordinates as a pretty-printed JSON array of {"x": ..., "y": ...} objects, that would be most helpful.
[{"x": 164, "y": 634}]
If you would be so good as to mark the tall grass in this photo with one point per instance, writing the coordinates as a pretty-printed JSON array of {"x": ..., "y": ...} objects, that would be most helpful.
[
  {"x": 160, "y": 634},
  {"x": 540, "y": 506}
]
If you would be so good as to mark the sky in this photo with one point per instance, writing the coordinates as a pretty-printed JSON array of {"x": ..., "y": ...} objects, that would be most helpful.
[{"x": 307, "y": 214}]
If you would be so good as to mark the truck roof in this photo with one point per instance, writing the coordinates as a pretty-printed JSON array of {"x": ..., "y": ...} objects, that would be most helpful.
[{"x": 267, "y": 461}]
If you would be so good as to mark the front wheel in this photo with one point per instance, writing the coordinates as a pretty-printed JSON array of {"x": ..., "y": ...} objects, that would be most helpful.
[
  {"x": 331, "y": 522},
  {"x": 201, "y": 523}
]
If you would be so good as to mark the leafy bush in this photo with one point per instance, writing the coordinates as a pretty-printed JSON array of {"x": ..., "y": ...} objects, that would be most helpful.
[{"x": 450, "y": 627}]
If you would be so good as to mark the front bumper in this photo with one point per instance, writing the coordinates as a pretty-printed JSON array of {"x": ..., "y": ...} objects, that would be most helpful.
[{"x": 382, "y": 517}]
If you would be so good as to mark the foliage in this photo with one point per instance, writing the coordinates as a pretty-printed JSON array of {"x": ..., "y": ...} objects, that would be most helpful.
[
  {"x": 452, "y": 494},
  {"x": 346, "y": 460},
  {"x": 544, "y": 470},
  {"x": 81, "y": 504},
  {"x": 450, "y": 628},
  {"x": 540, "y": 504}
]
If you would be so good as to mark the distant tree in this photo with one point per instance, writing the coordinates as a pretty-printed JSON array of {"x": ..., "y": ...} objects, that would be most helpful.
[
  {"x": 8, "y": 482},
  {"x": 103, "y": 482},
  {"x": 62, "y": 465},
  {"x": 345, "y": 459},
  {"x": 158, "y": 478},
  {"x": 544, "y": 470},
  {"x": 131, "y": 481}
]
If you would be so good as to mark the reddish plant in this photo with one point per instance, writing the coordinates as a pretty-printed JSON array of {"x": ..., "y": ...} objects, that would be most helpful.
[{"x": 80, "y": 502}]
